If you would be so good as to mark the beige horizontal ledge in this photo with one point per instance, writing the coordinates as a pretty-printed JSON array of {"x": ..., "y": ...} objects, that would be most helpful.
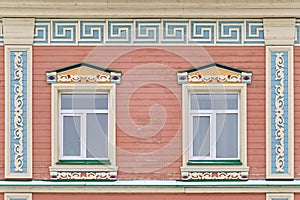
[
  {"x": 151, "y": 186},
  {"x": 155, "y": 3},
  {"x": 150, "y": 9}
]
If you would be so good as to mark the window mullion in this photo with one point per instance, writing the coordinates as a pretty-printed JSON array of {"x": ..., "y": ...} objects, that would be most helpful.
[
  {"x": 61, "y": 117},
  {"x": 213, "y": 138},
  {"x": 83, "y": 136}
]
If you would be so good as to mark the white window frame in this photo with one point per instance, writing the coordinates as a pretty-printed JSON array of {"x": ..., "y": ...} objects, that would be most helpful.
[
  {"x": 57, "y": 89},
  {"x": 83, "y": 115},
  {"x": 187, "y": 90}
]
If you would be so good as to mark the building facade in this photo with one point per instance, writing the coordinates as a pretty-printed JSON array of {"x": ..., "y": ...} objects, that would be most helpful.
[{"x": 155, "y": 100}]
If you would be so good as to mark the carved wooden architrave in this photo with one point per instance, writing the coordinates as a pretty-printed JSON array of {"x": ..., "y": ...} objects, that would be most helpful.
[
  {"x": 214, "y": 73},
  {"x": 84, "y": 73}
]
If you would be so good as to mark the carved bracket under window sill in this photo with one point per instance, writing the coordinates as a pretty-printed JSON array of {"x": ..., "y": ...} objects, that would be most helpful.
[
  {"x": 221, "y": 175},
  {"x": 86, "y": 175}
]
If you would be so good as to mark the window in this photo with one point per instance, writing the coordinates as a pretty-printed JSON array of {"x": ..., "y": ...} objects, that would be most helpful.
[
  {"x": 84, "y": 126},
  {"x": 214, "y": 126},
  {"x": 83, "y": 116},
  {"x": 214, "y": 131},
  {"x": 214, "y": 122},
  {"x": 83, "y": 130}
]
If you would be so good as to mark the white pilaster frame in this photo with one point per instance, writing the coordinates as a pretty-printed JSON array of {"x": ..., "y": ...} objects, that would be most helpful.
[
  {"x": 242, "y": 90},
  {"x": 56, "y": 90},
  {"x": 280, "y": 196},
  {"x": 28, "y": 117},
  {"x": 290, "y": 173},
  {"x": 13, "y": 196}
]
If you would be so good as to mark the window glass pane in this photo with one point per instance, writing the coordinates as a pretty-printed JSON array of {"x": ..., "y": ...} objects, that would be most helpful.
[
  {"x": 201, "y": 136},
  {"x": 227, "y": 135},
  {"x": 84, "y": 101},
  {"x": 214, "y": 101},
  {"x": 71, "y": 136},
  {"x": 97, "y": 140}
]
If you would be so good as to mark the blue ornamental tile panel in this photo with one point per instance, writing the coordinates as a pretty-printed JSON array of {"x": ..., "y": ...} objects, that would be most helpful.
[
  {"x": 174, "y": 32},
  {"x": 18, "y": 112},
  {"x": 230, "y": 32},
  {"x": 254, "y": 32},
  {"x": 91, "y": 32},
  {"x": 279, "y": 113},
  {"x": 202, "y": 32},
  {"x": 148, "y": 32},
  {"x": 119, "y": 32},
  {"x": 42, "y": 32},
  {"x": 64, "y": 32}
]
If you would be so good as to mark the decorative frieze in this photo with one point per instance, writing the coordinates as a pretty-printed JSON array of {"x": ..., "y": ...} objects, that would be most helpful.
[
  {"x": 88, "y": 78},
  {"x": 219, "y": 78},
  {"x": 86, "y": 175},
  {"x": 148, "y": 32},
  {"x": 219, "y": 175}
]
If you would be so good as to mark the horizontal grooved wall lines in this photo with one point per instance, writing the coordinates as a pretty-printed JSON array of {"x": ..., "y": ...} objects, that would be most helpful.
[{"x": 148, "y": 78}]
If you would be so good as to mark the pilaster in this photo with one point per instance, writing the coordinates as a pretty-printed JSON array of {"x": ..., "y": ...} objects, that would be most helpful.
[
  {"x": 18, "y": 40},
  {"x": 279, "y": 39}
]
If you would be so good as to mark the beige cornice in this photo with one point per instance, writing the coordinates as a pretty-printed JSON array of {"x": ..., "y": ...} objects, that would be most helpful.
[
  {"x": 150, "y": 9},
  {"x": 279, "y": 31}
]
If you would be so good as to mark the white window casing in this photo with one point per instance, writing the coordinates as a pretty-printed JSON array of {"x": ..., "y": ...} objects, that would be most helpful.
[
  {"x": 187, "y": 90},
  {"x": 57, "y": 90}
]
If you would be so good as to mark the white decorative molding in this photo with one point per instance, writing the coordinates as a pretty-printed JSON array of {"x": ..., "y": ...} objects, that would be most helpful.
[
  {"x": 101, "y": 78},
  {"x": 220, "y": 175},
  {"x": 87, "y": 175},
  {"x": 279, "y": 112},
  {"x": 208, "y": 78}
]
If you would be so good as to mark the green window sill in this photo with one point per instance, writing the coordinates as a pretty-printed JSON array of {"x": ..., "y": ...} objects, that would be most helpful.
[
  {"x": 214, "y": 162},
  {"x": 83, "y": 162}
]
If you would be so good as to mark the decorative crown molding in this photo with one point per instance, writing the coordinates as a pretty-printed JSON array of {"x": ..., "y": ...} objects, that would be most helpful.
[
  {"x": 214, "y": 73},
  {"x": 83, "y": 73}
]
